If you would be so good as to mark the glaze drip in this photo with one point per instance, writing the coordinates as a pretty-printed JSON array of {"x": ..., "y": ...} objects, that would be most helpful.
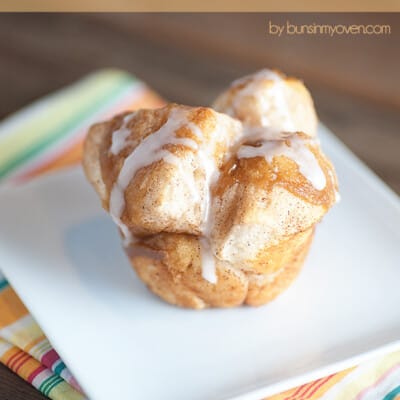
[
  {"x": 150, "y": 150},
  {"x": 272, "y": 99},
  {"x": 207, "y": 161},
  {"x": 294, "y": 148},
  {"x": 120, "y": 136},
  {"x": 273, "y": 140}
]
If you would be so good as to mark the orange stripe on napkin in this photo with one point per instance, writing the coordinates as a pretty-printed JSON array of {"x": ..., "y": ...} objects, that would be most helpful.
[
  {"x": 12, "y": 308},
  {"x": 311, "y": 390}
]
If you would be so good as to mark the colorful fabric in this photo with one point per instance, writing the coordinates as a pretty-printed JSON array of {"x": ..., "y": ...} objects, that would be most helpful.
[
  {"x": 57, "y": 125},
  {"x": 26, "y": 351}
]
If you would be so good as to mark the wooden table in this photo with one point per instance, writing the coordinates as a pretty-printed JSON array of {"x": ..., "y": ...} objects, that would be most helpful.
[{"x": 188, "y": 58}]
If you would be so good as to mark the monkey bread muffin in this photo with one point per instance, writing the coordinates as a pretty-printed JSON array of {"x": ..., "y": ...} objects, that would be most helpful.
[{"x": 216, "y": 207}]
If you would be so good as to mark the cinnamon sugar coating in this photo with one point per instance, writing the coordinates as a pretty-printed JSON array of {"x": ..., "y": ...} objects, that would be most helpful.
[{"x": 258, "y": 213}]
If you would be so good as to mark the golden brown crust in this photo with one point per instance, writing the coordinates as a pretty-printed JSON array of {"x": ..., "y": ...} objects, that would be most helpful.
[
  {"x": 256, "y": 100},
  {"x": 263, "y": 210},
  {"x": 260, "y": 203},
  {"x": 260, "y": 292},
  {"x": 170, "y": 266},
  {"x": 94, "y": 145},
  {"x": 153, "y": 194}
]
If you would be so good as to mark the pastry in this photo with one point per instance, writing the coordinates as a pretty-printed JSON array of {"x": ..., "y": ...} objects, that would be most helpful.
[
  {"x": 216, "y": 207},
  {"x": 269, "y": 99}
]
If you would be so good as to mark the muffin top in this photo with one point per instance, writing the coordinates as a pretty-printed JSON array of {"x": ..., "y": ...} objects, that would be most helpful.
[{"x": 240, "y": 180}]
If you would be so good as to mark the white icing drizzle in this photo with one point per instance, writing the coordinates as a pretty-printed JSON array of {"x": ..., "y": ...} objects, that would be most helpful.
[
  {"x": 128, "y": 237},
  {"x": 272, "y": 139},
  {"x": 261, "y": 133},
  {"x": 120, "y": 136},
  {"x": 151, "y": 150},
  {"x": 297, "y": 151},
  {"x": 208, "y": 267},
  {"x": 276, "y": 92},
  {"x": 264, "y": 73},
  {"x": 207, "y": 161}
]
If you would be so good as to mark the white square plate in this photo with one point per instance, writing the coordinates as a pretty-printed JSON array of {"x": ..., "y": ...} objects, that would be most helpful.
[{"x": 62, "y": 254}]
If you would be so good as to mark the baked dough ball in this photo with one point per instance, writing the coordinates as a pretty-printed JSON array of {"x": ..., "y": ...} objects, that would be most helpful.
[
  {"x": 271, "y": 100},
  {"x": 215, "y": 211}
]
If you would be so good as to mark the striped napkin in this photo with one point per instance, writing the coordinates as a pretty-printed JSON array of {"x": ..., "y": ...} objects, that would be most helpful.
[{"x": 48, "y": 135}]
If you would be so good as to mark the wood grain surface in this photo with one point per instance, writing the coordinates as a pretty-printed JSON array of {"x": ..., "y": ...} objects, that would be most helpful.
[{"x": 188, "y": 58}]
